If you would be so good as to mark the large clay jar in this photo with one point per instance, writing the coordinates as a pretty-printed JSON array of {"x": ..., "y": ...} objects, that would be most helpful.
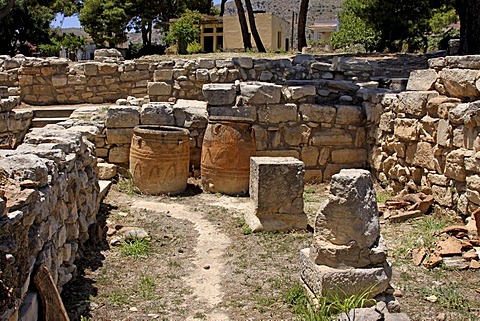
[
  {"x": 159, "y": 159},
  {"x": 227, "y": 147}
]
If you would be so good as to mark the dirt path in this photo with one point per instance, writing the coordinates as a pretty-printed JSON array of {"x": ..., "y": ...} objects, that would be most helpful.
[{"x": 205, "y": 279}]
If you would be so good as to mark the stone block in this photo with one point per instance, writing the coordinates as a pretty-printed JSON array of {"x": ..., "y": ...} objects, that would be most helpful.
[
  {"x": 349, "y": 115},
  {"x": 424, "y": 156},
  {"x": 220, "y": 94},
  {"x": 442, "y": 195},
  {"x": 349, "y": 155},
  {"x": 460, "y": 83},
  {"x": 468, "y": 114},
  {"x": 310, "y": 155},
  {"x": 163, "y": 75},
  {"x": 122, "y": 117},
  {"x": 106, "y": 171},
  {"x": 190, "y": 113},
  {"x": 313, "y": 176},
  {"x": 259, "y": 93},
  {"x": 444, "y": 133},
  {"x": 295, "y": 93},
  {"x": 243, "y": 62},
  {"x": 342, "y": 283},
  {"x": 278, "y": 113},
  {"x": 439, "y": 107},
  {"x": 387, "y": 121},
  {"x": 157, "y": 113},
  {"x": 159, "y": 88},
  {"x": 119, "y": 155},
  {"x": 414, "y": 103},
  {"x": 297, "y": 135},
  {"x": 422, "y": 80},
  {"x": 455, "y": 166},
  {"x": 119, "y": 135},
  {"x": 332, "y": 137},
  {"x": 276, "y": 193},
  {"x": 317, "y": 113},
  {"x": 406, "y": 129}
]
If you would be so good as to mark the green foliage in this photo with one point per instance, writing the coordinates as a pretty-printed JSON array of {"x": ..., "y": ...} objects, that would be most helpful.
[
  {"x": 136, "y": 247},
  {"x": 328, "y": 306},
  {"x": 383, "y": 196},
  {"x": 126, "y": 185},
  {"x": 105, "y": 21},
  {"x": 185, "y": 30},
  {"x": 194, "y": 47},
  {"x": 49, "y": 50},
  {"x": 442, "y": 17}
]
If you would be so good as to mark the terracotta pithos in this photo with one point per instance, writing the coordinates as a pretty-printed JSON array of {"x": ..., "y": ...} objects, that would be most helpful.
[
  {"x": 227, "y": 147},
  {"x": 159, "y": 159}
]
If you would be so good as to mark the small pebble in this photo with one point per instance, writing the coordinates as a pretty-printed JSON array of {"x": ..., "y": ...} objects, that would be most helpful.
[
  {"x": 207, "y": 267},
  {"x": 180, "y": 250},
  {"x": 133, "y": 309}
]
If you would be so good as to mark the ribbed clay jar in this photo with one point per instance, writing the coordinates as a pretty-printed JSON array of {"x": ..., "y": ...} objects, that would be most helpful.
[
  {"x": 159, "y": 159},
  {"x": 228, "y": 144}
]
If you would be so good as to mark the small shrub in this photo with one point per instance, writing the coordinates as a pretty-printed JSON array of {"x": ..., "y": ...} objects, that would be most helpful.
[
  {"x": 194, "y": 47},
  {"x": 126, "y": 185}
]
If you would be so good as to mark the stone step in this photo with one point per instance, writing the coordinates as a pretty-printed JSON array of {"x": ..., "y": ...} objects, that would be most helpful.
[
  {"x": 42, "y": 122},
  {"x": 104, "y": 188},
  {"x": 53, "y": 112}
]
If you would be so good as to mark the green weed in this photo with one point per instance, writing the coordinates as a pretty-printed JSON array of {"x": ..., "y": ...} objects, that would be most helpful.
[
  {"x": 146, "y": 288},
  {"x": 126, "y": 185},
  {"x": 119, "y": 298},
  {"x": 383, "y": 196},
  {"x": 448, "y": 297},
  {"x": 136, "y": 248}
]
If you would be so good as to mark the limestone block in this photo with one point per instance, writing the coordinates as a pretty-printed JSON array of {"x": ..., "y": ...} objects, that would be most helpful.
[
  {"x": 278, "y": 153},
  {"x": 455, "y": 166},
  {"x": 159, "y": 89},
  {"x": 472, "y": 163},
  {"x": 349, "y": 115},
  {"x": 107, "y": 68},
  {"x": 437, "y": 179},
  {"x": 460, "y": 83},
  {"x": 342, "y": 282},
  {"x": 468, "y": 114},
  {"x": 276, "y": 192},
  {"x": 347, "y": 155},
  {"x": 26, "y": 167},
  {"x": 157, "y": 113},
  {"x": 387, "y": 121},
  {"x": 424, "y": 156},
  {"x": 163, "y": 75},
  {"x": 205, "y": 63},
  {"x": 119, "y": 155},
  {"x": 295, "y": 93},
  {"x": 274, "y": 114},
  {"x": 59, "y": 80},
  {"x": 428, "y": 128},
  {"x": 414, "y": 103},
  {"x": 219, "y": 94},
  {"x": 442, "y": 195},
  {"x": 347, "y": 227},
  {"x": 459, "y": 138},
  {"x": 106, "y": 171},
  {"x": 473, "y": 196},
  {"x": 296, "y": 135},
  {"x": 422, "y": 80},
  {"x": 243, "y": 62},
  {"x": 122, "y": 117},
  {"x": 119, "y": 135},
  {"x": 323, "y": 156},
  {"x": 463, "y": 62},
  {"x": 444, "y": 134},
  {"x": 317, "y": 113},
  {"x": 332, "y": 137},
  {"x": 202, "y": 75},
  {"x": 406, "y": 129},
  {"x": 440, "y": 106},
  {"x": 190, "y": 113},
  {"x": 259, "y": 93},
  {"x": 310, "y": 155}
]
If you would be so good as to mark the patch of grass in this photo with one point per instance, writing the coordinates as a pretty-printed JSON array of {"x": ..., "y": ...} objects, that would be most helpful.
[
  {"x": 200, "y": 315},
  {"x": 136, "y": 248},
  {"x": 146, "y": 288},
  {"x": 383, "y": 196},
  {"x": 327, "y": 307},
  {"x": 309, "y": 194},
  {"x": 448, "y": 297},
  {"x": 126, "y": 185},
  {"x": 119, "y": 298},
  {"x": 246, "y": 230}
]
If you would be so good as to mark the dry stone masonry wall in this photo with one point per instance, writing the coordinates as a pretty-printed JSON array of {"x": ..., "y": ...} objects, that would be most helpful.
[
  {"x": 13, "y": 123},
  {"x": 427, "y": 138},
  {"x": 48, "y": 203}
]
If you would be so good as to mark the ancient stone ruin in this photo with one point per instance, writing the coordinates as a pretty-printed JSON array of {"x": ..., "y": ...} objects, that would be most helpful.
[
  {"x": 348, "y": 255},
  {"x": 310, "y": 117}
]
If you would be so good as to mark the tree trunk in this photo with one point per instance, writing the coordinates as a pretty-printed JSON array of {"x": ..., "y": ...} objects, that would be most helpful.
[
  {"x": 302, "y": 24},
  {"x": 247, "y": 42},
  {"x": 469, "y": 11},
  {"x": 4, "y": 11},
  {"x": 253, "y": 27},
  {"x": 222, "y": 8}
]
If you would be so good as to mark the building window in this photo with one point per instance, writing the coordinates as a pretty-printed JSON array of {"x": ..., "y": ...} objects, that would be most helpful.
[
  {"x": 279, "y": 40},
  {"x": 219, "y": 29},
  {"x": 207, "y": 30}
]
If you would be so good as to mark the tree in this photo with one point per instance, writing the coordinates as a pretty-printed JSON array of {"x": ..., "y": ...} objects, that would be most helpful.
[
  {"x": 5, "y": 10},
  {"x": 105, "y": 21},
  {"x": 253, "y": 27},
  {"x": 185, "y": 30},
  {"x": 302, "y": 24},
  {"x": 222, "y": 8},
  {"x": 469, "y": 12},
  {"x": 247, "y": 42}
]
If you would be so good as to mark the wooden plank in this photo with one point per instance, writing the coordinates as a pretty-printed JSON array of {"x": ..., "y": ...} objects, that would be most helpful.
[{"x": 53, "y": 308}]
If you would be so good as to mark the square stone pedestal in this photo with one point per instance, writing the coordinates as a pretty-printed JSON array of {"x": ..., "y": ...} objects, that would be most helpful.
[
  {"x": 326, "y": 281},
  {"x": 276, "y": 193}
]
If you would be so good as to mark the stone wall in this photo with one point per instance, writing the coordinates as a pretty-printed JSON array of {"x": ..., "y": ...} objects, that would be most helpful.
[
  {"x": 60, "y": 81},
  {"x": 13, "y": 123},
  {"x": 427, "y": 138},
  {"x": 48, "y": 202}
]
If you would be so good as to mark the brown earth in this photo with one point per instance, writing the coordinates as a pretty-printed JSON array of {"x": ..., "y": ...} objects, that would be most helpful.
[{"x": 205, "y": 264}]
